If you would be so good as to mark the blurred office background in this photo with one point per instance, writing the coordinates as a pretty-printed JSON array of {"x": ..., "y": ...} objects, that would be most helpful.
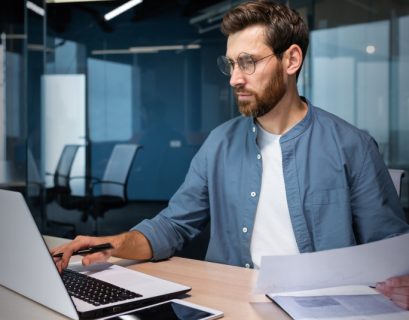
[{"x": 149, "y": 77}]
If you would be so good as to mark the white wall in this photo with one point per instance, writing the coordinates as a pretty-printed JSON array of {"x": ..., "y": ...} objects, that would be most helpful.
[{"x": 63, "y": 109}]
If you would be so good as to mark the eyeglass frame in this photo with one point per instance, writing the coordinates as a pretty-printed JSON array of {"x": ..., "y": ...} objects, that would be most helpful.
[{"x": 224, "y": 59}]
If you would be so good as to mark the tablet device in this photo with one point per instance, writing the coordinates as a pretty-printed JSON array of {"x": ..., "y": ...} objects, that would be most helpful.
[{"x": 171, "y": 310}]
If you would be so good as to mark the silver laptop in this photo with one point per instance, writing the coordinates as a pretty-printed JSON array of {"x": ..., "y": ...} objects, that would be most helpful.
[{"x": 27, "y": 267}]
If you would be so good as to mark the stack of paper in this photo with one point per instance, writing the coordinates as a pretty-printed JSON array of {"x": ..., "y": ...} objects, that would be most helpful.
[{"x": 334, "y": 284}]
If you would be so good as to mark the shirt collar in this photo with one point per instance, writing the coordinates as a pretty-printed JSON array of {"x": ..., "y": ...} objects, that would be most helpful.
[
  {"x": 301, "y": 126},
  {"x": 294, "y": 132}
]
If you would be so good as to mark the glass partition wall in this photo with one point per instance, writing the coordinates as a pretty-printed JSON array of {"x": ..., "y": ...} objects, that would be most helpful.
[
  {"x": 35, "y": 52},
  {"x": 13, "y": 111},
  {"x": 358, "y": 69},
  {"x": 150, "y": 79},
  {"x": 149, "y": 76}
]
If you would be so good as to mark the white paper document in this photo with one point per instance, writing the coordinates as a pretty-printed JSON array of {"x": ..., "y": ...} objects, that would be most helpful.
[
  {"x": 364, "y": 264},
  {"x": 341, "y": 307}
]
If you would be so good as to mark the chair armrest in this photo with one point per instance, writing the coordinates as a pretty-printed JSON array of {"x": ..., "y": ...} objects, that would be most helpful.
[
  {"x": 98, "y": 185},
  {"x": 108, "y": 182},
  {"x": 84, "y": 178}
]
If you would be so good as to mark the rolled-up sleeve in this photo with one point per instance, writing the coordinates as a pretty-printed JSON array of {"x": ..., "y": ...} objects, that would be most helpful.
[
  {"x": 186, "y": 215},
  {"x": 376, "y": 209}
]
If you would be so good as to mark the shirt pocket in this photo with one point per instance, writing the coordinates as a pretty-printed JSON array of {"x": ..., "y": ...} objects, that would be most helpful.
[{"x": 329, "y": 212}]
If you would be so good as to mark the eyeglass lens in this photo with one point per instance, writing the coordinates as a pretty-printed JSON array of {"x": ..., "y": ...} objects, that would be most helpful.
[{"x": 245, "y": 62}]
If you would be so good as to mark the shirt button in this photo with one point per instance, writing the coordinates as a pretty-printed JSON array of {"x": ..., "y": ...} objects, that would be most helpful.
[
  {"x": 247, "y": 265},
  {"x": 244, "y": 230},
  {"x": 254, "y": 129},
  {"x": 253, "y": 194},
  {"x": 259, "y": 156}
]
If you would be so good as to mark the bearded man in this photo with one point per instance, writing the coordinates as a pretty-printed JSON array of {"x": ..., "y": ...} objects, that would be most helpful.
[{"x": 284, "y": 178}]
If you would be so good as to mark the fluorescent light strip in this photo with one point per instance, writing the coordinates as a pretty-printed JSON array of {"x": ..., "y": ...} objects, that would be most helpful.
[
  {"x": 112, "y": 51},
  {"x": 38, "y": 47},
  {"x": 126, "y": 6},
  {"x": 72, "y": 1},
  {"x": 143, "y": 50},
  {"x": 14, "y": 36},
  {"x": 153, "y": 49},
  {"x": 35, "y": 8},
  {"x": 163, "y": 48}
]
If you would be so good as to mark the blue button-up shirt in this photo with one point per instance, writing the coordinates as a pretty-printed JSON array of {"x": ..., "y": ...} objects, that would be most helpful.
[{"x": 338, "y": 189}]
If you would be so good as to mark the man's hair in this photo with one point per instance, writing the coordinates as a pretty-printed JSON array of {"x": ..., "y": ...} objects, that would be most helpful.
[{"x": 284, "y": 26}]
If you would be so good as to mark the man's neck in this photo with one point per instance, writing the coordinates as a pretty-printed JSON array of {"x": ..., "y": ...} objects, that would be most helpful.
[{"x": 286, "y": 114}]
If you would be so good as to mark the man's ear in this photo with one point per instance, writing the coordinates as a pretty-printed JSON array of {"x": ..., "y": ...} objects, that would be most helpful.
[{"x": 293, "y": 57}]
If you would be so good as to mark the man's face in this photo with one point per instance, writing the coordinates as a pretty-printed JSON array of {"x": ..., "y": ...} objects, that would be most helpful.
[{"x": 258, "y": 93}]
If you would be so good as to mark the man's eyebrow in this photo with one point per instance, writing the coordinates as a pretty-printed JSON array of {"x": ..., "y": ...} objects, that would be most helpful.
[
  {"x": 237, "y": 56},
  {"x": 228, "y": 58}
]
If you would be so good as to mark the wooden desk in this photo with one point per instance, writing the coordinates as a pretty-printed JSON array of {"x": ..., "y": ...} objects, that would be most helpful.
[{"x": 213, "y": 285}]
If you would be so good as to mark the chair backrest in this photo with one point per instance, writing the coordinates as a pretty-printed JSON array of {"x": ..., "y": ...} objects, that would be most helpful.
[
  {"x": 116, "y": 174},
  {"x": 62, "y": 172},
  {"x": 33, "y": 173},
  {"x": 35, "y": 182},
  {"x": 397, "y": 175}
]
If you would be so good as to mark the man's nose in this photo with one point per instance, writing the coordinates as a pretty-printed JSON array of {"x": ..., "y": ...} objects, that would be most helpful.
[{"x": 237, "y": 77}]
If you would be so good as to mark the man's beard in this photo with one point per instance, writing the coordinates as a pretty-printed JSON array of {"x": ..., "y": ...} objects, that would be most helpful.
[{"x": 268, "y": 99}]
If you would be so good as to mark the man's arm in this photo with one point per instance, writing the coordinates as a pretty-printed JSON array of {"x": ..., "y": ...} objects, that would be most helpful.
[
  {"x": 128, "y": 245},
  {"x": 377, "y": 212}
]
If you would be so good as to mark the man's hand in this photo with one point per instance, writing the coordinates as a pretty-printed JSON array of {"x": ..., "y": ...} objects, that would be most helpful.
[
  {"x": 128, "y": 245},
  {"x": 396, "y": 289},
  {"x": 82, "y": 242}
]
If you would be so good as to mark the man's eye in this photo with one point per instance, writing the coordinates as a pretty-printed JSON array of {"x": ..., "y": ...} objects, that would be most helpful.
[
  {"x": 246, "y": 60},
  {"x": 241, "y": 62}
]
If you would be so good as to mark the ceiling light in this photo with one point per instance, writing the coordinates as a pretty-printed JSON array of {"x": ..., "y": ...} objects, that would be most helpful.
[
  {"x": 38, "y": 47},
  {"x": 117, "y": 11},
  {"x": 109, "y": 51},
  {"x": 210, "y": 17},
  {"x": 163, "y": 48},
  {"x": 35, "y": 8},
  {"x": 370, "y": 49},
  {"x": 147, "y": 49},
  {"x": 68, "y": 1},
  {"x": 123, "y": 51}
]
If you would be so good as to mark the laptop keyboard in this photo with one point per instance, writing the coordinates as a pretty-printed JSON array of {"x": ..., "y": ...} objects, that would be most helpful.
[{"x": 94, "y": 291}]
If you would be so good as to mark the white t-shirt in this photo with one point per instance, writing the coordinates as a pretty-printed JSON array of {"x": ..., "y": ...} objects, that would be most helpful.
[{"x": 273, "y": 233}]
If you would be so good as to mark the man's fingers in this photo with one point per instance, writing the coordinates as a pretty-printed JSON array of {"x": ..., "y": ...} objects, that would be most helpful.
[
  {"x": 402, "y": 281},
  {"x": 65, "y": 259},
  {"x": 397, "y": 290},
  {"x": 382, "y": 288},
  {"x": 95, "y": 257},
  {"x": 401, "y": 300},
  {"x": 58, "y": 249},
  {"x": 58, "y": 265},
  {"x": 80, "y": 242},
  {"x": 400, "y": 291}
]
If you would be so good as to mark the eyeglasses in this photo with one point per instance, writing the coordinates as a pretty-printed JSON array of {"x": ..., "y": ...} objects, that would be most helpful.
[{"x": 245, "y": 61}]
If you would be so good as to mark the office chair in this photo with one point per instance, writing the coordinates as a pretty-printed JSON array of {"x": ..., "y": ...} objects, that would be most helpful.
[
  {"x": 39, "y": 195},
  {"x": 397, "y": 176},
  {"x": 107, "y": 193},
  {"x": 35, "y": 182},
  {"x": 61, "y": 176},
  {"x": 35, "y": 190}
]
